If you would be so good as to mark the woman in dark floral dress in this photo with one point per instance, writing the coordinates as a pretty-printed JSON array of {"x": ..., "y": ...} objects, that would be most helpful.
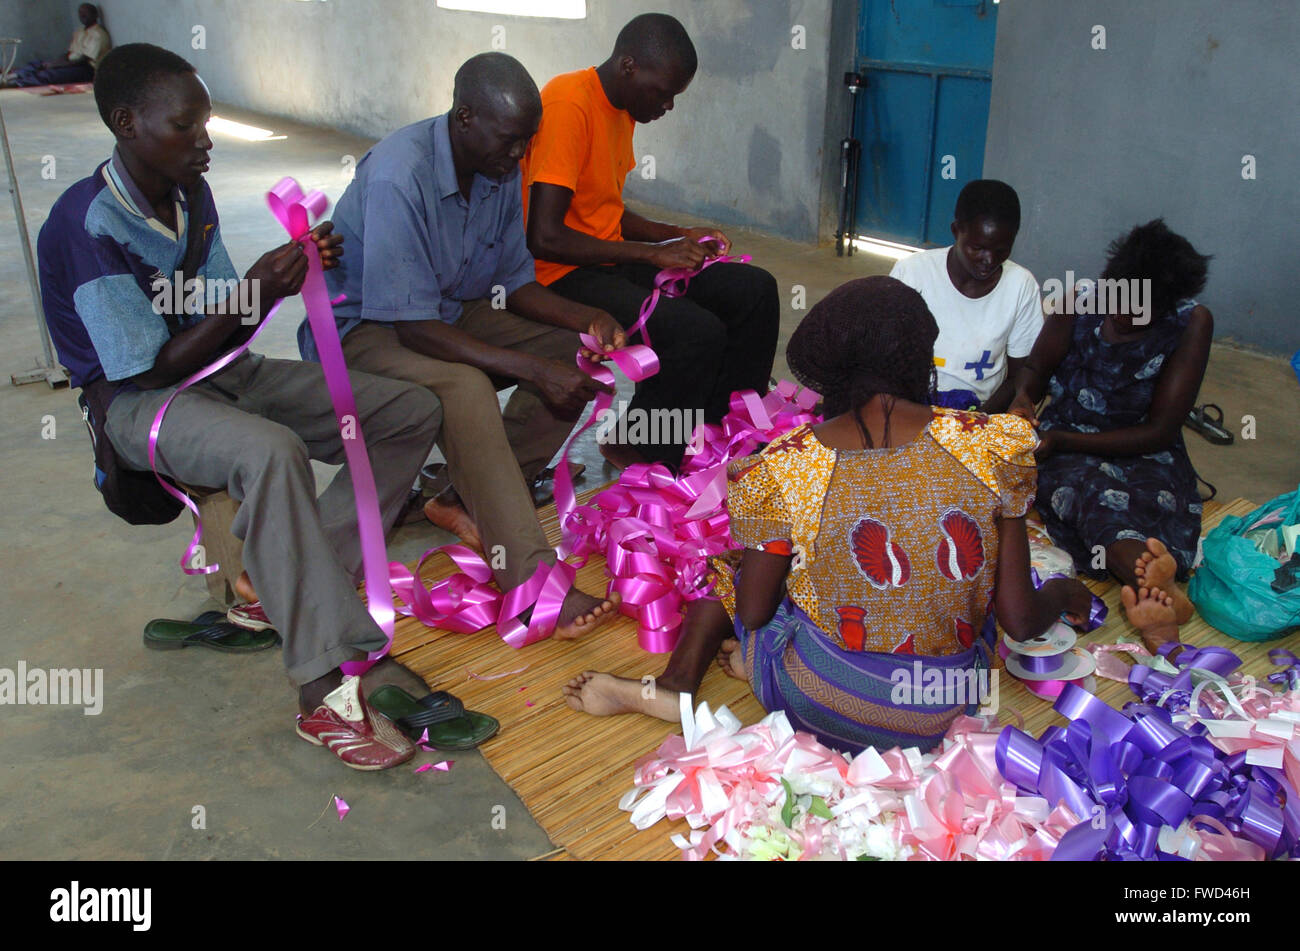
[{"x": 1116, "y": 488}]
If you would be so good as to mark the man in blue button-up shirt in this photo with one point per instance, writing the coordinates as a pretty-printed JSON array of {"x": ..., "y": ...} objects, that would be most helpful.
[{"x": 441, "y": 292}]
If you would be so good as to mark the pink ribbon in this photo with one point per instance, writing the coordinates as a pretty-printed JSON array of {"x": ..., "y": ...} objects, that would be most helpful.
[
  {"x": 466, "y": 602},
  {"x": 295, "y": 213},
  {"x": 220, "y": 363},
  {"x": 672, "y": 282},
  {"x": 638, "y": 363},
  {"x": 657, "y": 532}
]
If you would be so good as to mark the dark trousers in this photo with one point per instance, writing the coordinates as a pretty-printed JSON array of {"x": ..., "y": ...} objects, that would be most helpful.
[
  {"x": 34, "y": 74},
  {"x": 718, "y": 338}
]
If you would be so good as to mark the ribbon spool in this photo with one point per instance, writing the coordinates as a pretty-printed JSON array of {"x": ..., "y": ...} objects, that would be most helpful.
[{"x": 1046, "y": 664}]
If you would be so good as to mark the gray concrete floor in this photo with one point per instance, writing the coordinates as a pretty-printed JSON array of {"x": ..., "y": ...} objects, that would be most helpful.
[{"x": 192, "y": 728}]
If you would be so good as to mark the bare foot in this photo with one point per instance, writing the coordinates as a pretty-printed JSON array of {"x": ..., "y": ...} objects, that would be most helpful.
[
  {"x": 620, "y": 456},
  {"x": 732, "y": 659},
  {"x": 1151, "y": 611},
  {"x": 244, "y": 589},
  {"x": 1156, "y": 568},
  {"x": 603, "y": 695},
  {"x": 453, "y": 518},
  {"x": 581, "y": 614}
]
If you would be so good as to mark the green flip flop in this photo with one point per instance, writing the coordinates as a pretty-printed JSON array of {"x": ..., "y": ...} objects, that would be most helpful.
[
  {"x": 210, "y": 629},
  {"x": 450, "y": 725}
]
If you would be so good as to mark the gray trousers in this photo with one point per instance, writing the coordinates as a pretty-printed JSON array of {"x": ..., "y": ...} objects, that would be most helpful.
[
  {"x": 253, "y": 428},
  {"x": 491, "y": 454}
]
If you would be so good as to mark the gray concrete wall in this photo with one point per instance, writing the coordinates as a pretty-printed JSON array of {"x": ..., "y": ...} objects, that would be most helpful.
[
  {"x": 746, "y": 144},
  {"x": 1157, "y": 123},
  {"x": 44, "y": 26}
]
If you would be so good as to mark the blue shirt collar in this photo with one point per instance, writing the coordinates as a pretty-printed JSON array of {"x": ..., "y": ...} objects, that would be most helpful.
[{"x": 444, "y": 166}]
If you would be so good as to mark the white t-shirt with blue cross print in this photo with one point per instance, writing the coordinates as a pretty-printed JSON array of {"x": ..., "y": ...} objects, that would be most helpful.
[{"x": 975, "y": 335}]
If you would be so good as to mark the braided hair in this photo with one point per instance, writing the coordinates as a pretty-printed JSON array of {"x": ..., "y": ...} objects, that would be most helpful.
[{"x": 872, "y": 336}]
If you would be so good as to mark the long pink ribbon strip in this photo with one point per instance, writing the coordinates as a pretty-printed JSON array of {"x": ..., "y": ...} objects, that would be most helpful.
[{"x": 296, "y": 212}]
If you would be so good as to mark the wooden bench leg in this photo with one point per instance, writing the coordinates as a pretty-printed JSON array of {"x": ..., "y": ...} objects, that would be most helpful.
[{"x": 217, "y": 511}]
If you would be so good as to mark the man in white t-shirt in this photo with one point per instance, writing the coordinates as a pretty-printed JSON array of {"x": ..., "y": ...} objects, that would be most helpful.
[{"x": 988, "y": 308}]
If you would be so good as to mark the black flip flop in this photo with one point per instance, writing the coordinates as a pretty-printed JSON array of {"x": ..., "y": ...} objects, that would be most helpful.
[
  {"x": 210, "y": 629},
  {"x": 450, "y": 726},
  {"x": 543, "y": 485},
  {"x": 1209, "y": 426}
]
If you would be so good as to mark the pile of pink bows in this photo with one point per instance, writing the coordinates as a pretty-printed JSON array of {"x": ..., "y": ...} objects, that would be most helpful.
[
  {"x": 768, "y": 792},
  {"x": 657, "y": 532}
]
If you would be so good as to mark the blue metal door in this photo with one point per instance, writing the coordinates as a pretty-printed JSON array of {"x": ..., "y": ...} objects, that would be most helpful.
[{"x": 924, "y": 112}]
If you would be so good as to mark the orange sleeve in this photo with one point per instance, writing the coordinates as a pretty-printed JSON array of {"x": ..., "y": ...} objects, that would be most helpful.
[{"x": 560, "y": 147}]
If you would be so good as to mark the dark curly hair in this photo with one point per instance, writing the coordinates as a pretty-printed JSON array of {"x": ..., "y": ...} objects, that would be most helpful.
[
  {"x": 125, "y": 75},
  {"x": 1152, "y": 252},
  {"x": 873, "y": 336},
  {"x": 988, "y": 198}
]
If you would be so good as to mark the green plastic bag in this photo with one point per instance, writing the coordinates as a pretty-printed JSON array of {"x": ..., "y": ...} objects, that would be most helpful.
[{"x": 1232, "y": 588}]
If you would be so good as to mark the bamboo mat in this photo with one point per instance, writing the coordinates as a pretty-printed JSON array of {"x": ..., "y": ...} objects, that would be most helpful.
[{"x": 570, "y": 768}]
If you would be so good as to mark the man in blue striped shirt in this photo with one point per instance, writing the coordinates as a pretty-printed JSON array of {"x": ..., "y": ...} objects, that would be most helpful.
[{"x": 108, "y": 251}]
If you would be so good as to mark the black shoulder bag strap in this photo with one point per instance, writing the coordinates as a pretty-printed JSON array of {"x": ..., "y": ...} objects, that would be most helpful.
[{"x": 194, "y": 232}]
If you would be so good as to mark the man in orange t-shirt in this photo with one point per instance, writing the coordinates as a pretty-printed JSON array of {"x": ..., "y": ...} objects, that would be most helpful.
[{"x": 719, "y": 337}]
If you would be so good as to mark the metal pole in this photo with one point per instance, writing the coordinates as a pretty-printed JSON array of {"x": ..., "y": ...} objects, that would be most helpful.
[
  {"x": 929, "y": 154},
  {"x": 849, "y": 149},
  {"x": 48, "y": 370}
]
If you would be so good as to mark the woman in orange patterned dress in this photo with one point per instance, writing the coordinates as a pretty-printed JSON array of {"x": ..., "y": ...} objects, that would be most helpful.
[{"x": 880, "y": 547}]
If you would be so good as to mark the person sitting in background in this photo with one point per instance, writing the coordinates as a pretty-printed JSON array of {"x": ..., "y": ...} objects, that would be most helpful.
[
  {"x": 254, "y": 426},
  {"x": 879, "y": 546},
  {"x": 987, "y": 306},
  {"x": 1117, "y": 487},
  {"x": 720, "y": 336},
  {"x": 88, "y": 47}
]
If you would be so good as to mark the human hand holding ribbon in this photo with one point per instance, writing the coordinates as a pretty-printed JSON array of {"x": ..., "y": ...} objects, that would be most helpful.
[{"x": 637, "y": 361}]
